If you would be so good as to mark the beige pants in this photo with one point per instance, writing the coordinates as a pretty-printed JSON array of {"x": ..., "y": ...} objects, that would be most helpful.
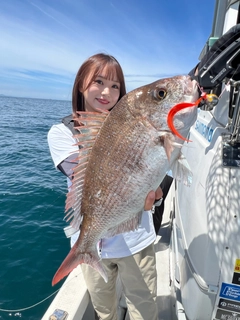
[{"x": 139, "y": 279}]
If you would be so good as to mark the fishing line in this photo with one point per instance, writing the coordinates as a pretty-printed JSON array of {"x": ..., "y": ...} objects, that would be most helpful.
[
  {"x": 61, "y": 195},
  {"x": 43, "y": 210},
  {"x": 41, "y": 301},
  {"x": 32, "y": 306}
]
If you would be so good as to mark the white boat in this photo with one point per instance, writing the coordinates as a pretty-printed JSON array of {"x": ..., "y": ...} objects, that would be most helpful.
[
  {"x": 198, "y": 247},
  {"x": 205, "y": 238}
]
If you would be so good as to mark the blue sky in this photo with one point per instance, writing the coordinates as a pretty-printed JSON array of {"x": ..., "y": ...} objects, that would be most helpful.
[{"x": 44, "y": 42}]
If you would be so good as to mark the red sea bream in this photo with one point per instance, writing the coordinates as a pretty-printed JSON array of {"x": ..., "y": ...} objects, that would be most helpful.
[{"x": 125, "y": 154}]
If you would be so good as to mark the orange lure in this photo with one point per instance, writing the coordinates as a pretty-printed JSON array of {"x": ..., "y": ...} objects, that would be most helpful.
[{"x": 177, "y": 108}]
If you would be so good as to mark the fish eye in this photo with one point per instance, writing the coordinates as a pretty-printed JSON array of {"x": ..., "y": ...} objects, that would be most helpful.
[{"x": 161, "y": 93}]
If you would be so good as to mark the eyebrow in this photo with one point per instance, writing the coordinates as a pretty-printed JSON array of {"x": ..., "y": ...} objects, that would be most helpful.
[{"x": 99, "y": 76}]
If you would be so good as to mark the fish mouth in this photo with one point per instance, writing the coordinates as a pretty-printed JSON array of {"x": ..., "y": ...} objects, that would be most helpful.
[{"x": 190, "y": 90}]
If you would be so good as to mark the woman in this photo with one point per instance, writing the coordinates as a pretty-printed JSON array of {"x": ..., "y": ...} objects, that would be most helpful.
[{"x": 99, "y": 85}]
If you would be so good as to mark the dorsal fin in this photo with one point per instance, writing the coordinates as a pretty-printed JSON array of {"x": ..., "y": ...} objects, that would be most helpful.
[{"x": 89, "y": 125}]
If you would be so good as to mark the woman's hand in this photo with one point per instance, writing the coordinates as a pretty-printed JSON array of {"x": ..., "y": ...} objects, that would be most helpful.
[{"x": 152, "y": 197}]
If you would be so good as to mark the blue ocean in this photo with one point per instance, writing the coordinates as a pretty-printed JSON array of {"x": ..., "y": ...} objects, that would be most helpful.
[{"x": 32, "y": 198}]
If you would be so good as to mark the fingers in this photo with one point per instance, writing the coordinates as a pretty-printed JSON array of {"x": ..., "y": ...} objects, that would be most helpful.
[
  {"x": 151, "y": 197},
  {"x": 149, "y": 200},
  {"x": 158, "y": 193}
]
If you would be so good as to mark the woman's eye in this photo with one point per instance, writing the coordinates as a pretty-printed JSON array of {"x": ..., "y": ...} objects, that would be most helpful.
[
  {"x": 115, "y": 86},
  {"x": 98, "y": 81},
  {"x": 161, "y": 93}
]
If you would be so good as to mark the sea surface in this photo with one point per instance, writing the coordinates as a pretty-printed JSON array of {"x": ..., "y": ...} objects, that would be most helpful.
[{"x": 32, "y": 198}]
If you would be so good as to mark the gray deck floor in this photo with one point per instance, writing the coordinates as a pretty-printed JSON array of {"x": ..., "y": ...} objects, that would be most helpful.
[{"x": 162, "y": 258}]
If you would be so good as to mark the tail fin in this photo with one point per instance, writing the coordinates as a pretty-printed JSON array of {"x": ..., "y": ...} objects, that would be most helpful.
[{"x": 73, "y": 259}]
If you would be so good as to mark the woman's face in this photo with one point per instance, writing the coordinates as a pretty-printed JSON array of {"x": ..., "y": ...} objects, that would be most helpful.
[{"x": 102, "y": 94}]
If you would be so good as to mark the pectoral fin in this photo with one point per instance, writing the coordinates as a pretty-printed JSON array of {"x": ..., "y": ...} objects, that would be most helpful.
[
  {"x": 181, "y": 170},
  {"x": 168, "y": 142}
]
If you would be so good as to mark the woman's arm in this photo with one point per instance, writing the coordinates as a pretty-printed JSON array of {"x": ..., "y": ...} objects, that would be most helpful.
[{"x": 67, "y": 165}]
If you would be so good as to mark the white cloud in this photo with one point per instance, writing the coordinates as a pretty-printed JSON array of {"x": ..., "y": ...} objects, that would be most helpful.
[{"x": 42, "y": 42}]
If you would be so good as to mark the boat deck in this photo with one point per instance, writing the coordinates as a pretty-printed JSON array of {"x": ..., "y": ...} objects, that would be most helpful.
[
  {"x": 162, "y": 263},
  {"x": 73, "y": 296}
]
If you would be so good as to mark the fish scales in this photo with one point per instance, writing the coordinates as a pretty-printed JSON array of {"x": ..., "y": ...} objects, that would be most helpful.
[
  {"x": 123, "y": 162},
  {"x": 130, "y": 156}
]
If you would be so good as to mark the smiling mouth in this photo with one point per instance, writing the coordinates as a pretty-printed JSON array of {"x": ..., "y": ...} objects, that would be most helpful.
[{"x": 103, "y": 101}]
